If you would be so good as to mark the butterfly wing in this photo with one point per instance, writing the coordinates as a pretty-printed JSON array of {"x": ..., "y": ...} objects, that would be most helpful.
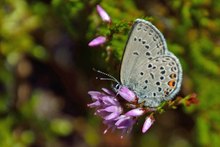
[
  {"x": 158, "y": 80},
  {"x": 144, "y": 43},
  {"x": 145, "y": 55}
]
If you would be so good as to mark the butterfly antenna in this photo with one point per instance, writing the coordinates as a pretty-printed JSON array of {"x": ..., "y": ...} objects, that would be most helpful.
[{"x": 111, "y": 78}]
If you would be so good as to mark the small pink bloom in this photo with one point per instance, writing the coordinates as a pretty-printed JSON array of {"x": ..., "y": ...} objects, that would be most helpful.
[
  {"x": 127, "y": 94},
  {"x": 97, "y": 41},
  {"x": 148, "y": 123},
  {"x": 103, "y": 14},
  {"x": 135, "y": 112}
]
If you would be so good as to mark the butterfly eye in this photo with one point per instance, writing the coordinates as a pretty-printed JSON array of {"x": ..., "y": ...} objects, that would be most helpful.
[{"x": 117, "y": 86}]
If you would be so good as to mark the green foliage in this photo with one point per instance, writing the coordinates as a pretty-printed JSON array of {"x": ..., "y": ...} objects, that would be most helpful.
[{"x": 40, "y": 38}]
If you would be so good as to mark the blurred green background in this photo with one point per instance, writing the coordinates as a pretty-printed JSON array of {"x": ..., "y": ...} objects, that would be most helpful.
[{"x": 46, "y": 71}]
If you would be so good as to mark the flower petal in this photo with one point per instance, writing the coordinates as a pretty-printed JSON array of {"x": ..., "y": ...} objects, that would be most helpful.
[
  {"x": 111, "y": 116},
  {"x": 107, "y": 100},
  {"x": 95, "y": 104},
  {"x": 111, "y": 109},
  {"x": 127, "y": 94},
  {"x": 103, "y": 14},
  {"x": 148, "y": 123},
  {"x": 108, "y": 91},
  {"x": 110, "y": 124},
  {"x": 97, "y": 41},
  {"x": 125, "y": 123},
  {"x": 95, "y": 95},
  {"x": 135, "y": 112}
]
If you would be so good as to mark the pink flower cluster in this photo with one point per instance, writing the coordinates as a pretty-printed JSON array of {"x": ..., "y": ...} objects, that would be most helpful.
[{"x": 111, "y": 111}]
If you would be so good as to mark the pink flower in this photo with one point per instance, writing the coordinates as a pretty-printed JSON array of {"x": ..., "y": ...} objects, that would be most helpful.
[
  {"x": 109, "y": 108},
  {"x": 148, "y": 123},
  {"x": 103, "y": 14},
  {"x": 136, "y": 112},
  {"x": 97, "y": 41},
  {"x": 106, "y": 104},
  {"x": 127, "y": 94}
]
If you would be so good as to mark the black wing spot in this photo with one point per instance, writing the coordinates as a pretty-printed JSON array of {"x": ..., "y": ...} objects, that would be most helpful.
[
  {"x": 139, "y": 39},
  {"x": 161, "y": 68},
  {"x": 157, "y": 83},
  {"x": 159, "y": 89},
  {"x": 154, "y": 67},
  {"x": 154, "y": 94},
  {"x": 166, "y": 93},
  {"x": 162, "y": 77},
  {"x": 171, "y": 63},
  {"x": 135, "y": 39},
  {"x": 145, "y": 87},
  {"x": 149, "y": 65},
  {"x": 146, "y": 81},
  {"x": 135, "y": 53},
  {"x": 141, "y": 73},
  {"x": 151, "y": 32},
  {"x": 150, "y": 58},
  {"x": 167, "y": 58},
  {"x": 147, "y": 46},
  {"x": 143, "y": 42},
  {"x": 163, "y": 72},
  {"x": 152, "y": 75},
  {"x": 147, "y": 53},
  {"x": 173, "y": 68},
  {"x": 173, "y": 76}
]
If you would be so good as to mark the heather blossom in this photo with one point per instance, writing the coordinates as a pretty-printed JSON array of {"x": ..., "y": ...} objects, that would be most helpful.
[
  {"x": 147, "y": 124},
  {"x": 127, "y": 94},
  {"x": 97, "y": 41},
  {"x": 103, "y": 14},
  {"x": 109, "y": 108}
]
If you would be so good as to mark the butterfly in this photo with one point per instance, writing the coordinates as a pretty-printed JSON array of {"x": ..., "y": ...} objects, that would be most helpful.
[{"x": 148, "y": 68}]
